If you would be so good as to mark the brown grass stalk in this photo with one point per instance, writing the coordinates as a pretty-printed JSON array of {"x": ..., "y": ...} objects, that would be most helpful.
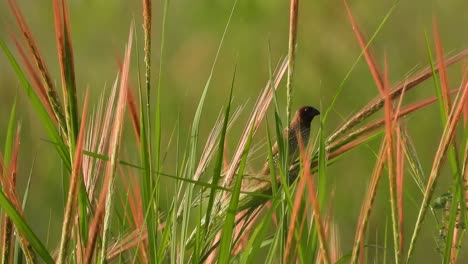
[
  {"x": 293, "y": 17},
  {"x": 292, "y": 225},
  {"x": 72, "y": 196},
  {"x": 369, "y": 201},
  {"x": 147, "y": 35}
]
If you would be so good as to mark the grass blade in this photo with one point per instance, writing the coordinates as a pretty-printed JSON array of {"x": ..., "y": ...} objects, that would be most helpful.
[
  {"x": 73, "y": 189},
  {"x": 226, "y": 236}
]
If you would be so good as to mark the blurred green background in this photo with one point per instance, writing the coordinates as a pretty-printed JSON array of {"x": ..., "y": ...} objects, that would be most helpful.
[{"x": 327, "y": 48}]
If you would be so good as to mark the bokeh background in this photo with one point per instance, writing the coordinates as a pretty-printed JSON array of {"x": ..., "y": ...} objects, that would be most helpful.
[{"x": 258, "y": 33}]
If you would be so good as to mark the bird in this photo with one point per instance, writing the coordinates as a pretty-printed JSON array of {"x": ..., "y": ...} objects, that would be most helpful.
[
  {"x": 299, "y": 127},
  {"x": 246, "y": 218}
]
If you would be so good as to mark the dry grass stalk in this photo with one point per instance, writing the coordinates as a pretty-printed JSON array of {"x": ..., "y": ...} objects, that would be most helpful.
[
  {"x": 104, "y": 203},
  {"x": 147, "y": 35},
  {"x": 376, "y": 104},
  {"x": 256, "y": 118},
  {"x": 369, "y": 201},
  {"x": 72, "y": 196},
  {"x": 97, "y": 142}
]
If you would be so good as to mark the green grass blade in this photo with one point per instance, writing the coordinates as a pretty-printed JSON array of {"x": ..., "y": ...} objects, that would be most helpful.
[
  {"x": 258, "y": 236},
  {"x": 146, "y": 177},
  {"x": 271, "y": 161},
  {"x": 24, "y": 228},
  {"x": 18, "y": 253},
  {"x": 219, "y": 160},
  {"x": 10, "y": 134},
  {"x": 226, "y": 236},
  {"x": 194, "y": 138},
  {"x": 38, "y": 106},
  {"x": 458, "y": 185}
]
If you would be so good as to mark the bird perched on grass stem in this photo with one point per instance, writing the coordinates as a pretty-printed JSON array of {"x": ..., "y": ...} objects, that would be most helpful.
[{"x": 299, "y": 127}]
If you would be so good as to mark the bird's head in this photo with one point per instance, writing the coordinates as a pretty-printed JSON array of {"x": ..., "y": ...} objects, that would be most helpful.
[{"x": 306, "y": 114}]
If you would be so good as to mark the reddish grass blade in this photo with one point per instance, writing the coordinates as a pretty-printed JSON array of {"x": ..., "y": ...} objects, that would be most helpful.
[
  {"x": 40, "y": 64},
  {"x": 312, "y": 195},
  {"x": 41, "y": 92},
  {"x": 376, "y": 104},
  {"x": 134, "y": 114},
  {"x": 66, "y": 62},
  {"x": 400, "y": 168},
  {"x": 442, "y": 68},
  {"x": 370, "y": 128},
  {"x": 132, "y": 106},
  {"x": 104, "y": 202},
  {"x": 389, "y": 125},
  {"x": 464, "y": 81},
  {"x": 329, "y": 233},
  {"x": 72, "y": 196},
  {"x": 370, "y": 61},
  {"x": 136, "y": 208},
  {"x": 292, "y": 226},
  {"x": 8, "y": 177}
]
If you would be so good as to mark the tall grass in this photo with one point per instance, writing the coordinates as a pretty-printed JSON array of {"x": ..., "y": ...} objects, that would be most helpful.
[{"x": 113, "y": 210}]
